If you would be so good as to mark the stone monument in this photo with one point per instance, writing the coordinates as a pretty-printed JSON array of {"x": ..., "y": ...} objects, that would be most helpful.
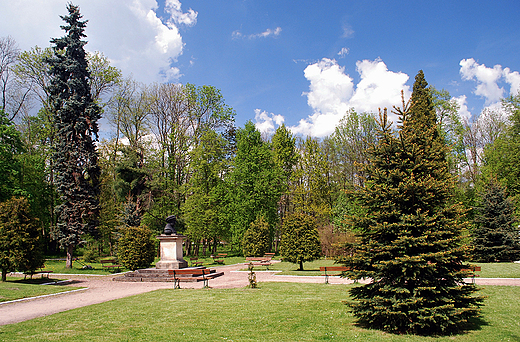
[{"x": 170, "y": 245}]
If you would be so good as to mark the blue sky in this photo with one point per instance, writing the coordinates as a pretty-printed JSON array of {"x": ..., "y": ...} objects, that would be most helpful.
[{"x": 304, "y": 63}]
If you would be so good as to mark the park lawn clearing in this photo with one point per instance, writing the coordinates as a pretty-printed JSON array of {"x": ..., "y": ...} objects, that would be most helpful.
[
  {"x": 499, "y": 270},
  {"x": 489, "y": 270},
  {"x": 273, "y": 312},
  {"x": 18, "y": 288}
]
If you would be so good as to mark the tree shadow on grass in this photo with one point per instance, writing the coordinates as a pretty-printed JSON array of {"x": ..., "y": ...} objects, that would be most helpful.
[{"x": 473, "y": 324}]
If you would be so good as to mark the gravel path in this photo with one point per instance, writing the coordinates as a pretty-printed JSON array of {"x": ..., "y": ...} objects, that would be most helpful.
[{"x": 103, "y": 289}]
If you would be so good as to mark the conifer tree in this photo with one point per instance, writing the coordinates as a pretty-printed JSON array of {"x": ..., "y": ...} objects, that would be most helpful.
[
  {"x": 496, "y": 236},
  {"x": 75, "y": 120},
  {"x": 411, "y": 245}
]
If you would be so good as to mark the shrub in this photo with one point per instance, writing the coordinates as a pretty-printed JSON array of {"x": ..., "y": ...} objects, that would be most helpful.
[
  {"x": 300, "y": 241},
  {"x": 256, "y": 239},
  {"x": 20, "y": 240},
  {"x": 136, "y": 249}
]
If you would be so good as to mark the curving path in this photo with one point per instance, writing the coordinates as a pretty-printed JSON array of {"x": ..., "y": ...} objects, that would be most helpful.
[{"x": 103, "y": 289}]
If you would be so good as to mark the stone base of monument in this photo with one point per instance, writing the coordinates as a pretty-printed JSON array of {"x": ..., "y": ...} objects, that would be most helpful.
[{"x": 171, "y": 252}]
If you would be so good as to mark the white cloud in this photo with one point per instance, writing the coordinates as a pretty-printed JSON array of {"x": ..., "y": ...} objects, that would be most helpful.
[
  {"x": 332, "y": 93},
  {"x": 129, "y": 33},
  {"x": 178, "y": 16},
  {"x": 513, "y": 78},
  {"x": 486, "y": 78},
  {"x": 463, "y": 107},
  {"x": 343, "y": 52},
  {"x": 348, "y": 32},
  {"x": 267, "y": 33},
  {"x": 265, "y": 121}
]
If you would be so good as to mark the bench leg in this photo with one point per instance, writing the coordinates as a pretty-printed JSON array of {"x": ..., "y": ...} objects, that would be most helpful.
[
  {"x": 326, "y": 278},
  {"x": 206, "y": 283},
  {"x": 176, "y": 283}
]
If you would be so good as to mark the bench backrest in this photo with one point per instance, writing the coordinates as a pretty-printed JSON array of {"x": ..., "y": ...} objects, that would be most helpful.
[
  {"x": 334, "y": 268},
  {"x": 258, "y": 258},
  {"x": 192, "y": 271},
  {"x": 106, "y": 261}
]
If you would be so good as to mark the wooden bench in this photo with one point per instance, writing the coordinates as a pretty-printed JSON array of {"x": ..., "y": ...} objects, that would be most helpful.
[
  {"x": 216, "y": 259},
  {"x": 195, "y": 262},
  {"x": 110, "y": 264},
  {"x": 25, "y": 274},
  {"x": 269, "y": 255},
  {"x": 193, "y": 275},
  {"x": 472, "y": 270},
  {"x": 260, "y": 261},
  {"x": 221, "y": 255},
  {"x": 333, "y": 269}
]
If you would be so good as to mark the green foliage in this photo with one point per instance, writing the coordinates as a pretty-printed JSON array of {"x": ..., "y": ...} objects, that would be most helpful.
[
  {"x": 136, "y": 248},
  {"x": 502, "y": 157},
  {"x": 347, "y": 148},
  {"x": 311, "y": 186},
  {"x": 255, "y": 242},
  {"x": 254, "y": 189},
  {"x": 496, "y": 236},
  {"x": 204, "y": 207},
  {"x": 75, "y": 119},
  {"x": 300, "y": 241},
  {"x": 410, "y": 241},
  {"x": 10, "y": 167},
  {"x": 20, "y": 240}
]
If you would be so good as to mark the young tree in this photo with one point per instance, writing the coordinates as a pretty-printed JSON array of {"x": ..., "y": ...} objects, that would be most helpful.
[
  {"x": 20, "y": 247},
  {"x": 496, "y": 235},
  {"x": 410, "y": 242},
  {"x": 300, "y": 239},
  {"x": 256, "y": 238},
  {"x": 75, "y": 119}
]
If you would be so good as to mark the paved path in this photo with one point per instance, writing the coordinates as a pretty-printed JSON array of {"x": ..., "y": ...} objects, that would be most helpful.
[{"x": 103, "y": 289}]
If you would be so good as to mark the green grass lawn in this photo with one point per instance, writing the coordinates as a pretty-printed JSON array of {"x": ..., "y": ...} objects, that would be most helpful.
[
  {"x": 489, "y": 270},
  {"x": 274, "y": 312},
  {"x": 17, "y": 288}
]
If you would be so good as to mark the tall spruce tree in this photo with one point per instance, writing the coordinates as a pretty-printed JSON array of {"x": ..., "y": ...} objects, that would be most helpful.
[
  {"x": 75, "y": 119},
  {"x": 496, "y": 236},
  {"x": 411, "y": 245}
]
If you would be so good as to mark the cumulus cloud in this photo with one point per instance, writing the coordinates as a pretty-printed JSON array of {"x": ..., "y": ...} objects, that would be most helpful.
[
  {"x": 130, "y": 33},
  {"x": 267, "y": 33},
  {"x": 332, "y": 92},
  {"x": 486, "y": 78},
  {"x": 265, "y": 122}
]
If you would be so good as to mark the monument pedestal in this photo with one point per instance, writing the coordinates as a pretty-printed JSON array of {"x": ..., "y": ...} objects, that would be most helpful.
[{"x": 171, "y": 252}]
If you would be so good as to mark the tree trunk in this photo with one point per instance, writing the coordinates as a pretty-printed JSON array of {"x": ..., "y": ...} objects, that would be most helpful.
[
  {"x": 301, "y": 266},
  {"x": 70, "y": 251},
  {"x": 4, "y": 274}
]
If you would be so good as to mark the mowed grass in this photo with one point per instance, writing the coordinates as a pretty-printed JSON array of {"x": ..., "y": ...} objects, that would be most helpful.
[
  {"x": 273, "y": 312},
  {"x": 489, "y": 270},
  {"x": 18, "y": 288}
]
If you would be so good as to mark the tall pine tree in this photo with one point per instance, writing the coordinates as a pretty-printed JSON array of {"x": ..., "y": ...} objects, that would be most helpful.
[
  {"x": 411, "y": 246},
  {"x": 75, "y": 119},
  {"x": 496, "y": 236}
]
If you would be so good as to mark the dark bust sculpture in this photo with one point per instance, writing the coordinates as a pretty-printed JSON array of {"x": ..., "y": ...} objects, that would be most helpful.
[{"x": 170, "y": 225}]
